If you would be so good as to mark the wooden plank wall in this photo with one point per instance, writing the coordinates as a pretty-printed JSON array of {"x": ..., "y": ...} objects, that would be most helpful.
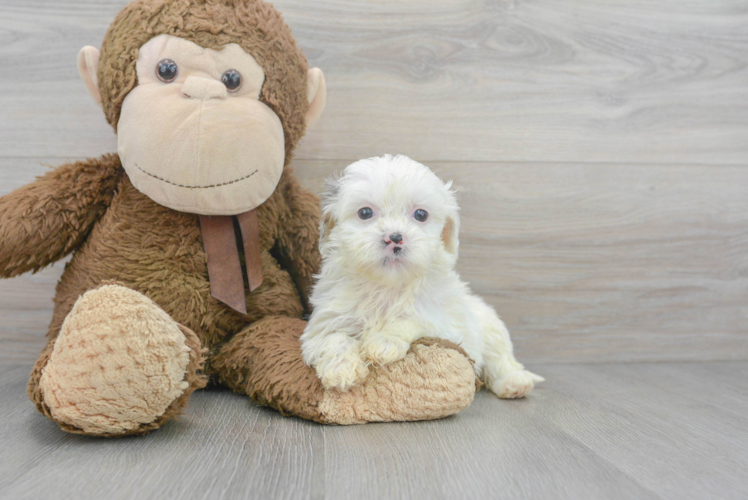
[{"x": 600, "y": 150}]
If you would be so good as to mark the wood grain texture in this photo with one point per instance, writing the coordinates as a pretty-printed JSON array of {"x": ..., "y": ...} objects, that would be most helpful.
[
  {"x": 585, "y": 263},
  {"x": 461, "y": 80},
  {"x": 604, "y": 262},
  {"x": 600, "y": 149},
  {"x": 643, "y": 431}
]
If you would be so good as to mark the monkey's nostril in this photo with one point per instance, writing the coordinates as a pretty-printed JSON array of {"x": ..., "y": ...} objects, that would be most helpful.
[{"x": 396, "y": 238}]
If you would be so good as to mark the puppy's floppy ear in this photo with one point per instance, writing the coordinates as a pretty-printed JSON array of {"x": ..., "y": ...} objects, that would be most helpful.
[
  {"x": 328, "y": 222},
  {"x": 329, "y": 196},
  {"x": 451, "y": 229},
  {"x": 450, "y": 235}
]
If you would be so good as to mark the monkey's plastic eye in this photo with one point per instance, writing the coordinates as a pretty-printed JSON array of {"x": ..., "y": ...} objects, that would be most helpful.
[
  {"x": 365, "y": 213},
  {"x": 232, "y": 79},
  {"x": 420, "y": 215},
  {"x": 167, "y": 70}
]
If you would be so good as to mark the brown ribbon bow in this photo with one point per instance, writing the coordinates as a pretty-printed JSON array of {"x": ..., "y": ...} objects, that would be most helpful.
[{"x": 220, "y": 239}]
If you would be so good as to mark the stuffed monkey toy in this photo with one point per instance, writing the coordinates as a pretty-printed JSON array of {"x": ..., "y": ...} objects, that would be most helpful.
[{"x": 194, "y": 247}]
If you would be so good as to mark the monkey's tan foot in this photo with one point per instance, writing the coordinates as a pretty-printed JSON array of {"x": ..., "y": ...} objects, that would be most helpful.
[
  {"x": 516, "y": 384},
  {"x": 119, "y": 366},
  {"x": 434, "y": 380}
]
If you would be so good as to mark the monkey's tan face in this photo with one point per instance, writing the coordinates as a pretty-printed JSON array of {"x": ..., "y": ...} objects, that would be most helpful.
[{"x": 193, "y": 135}]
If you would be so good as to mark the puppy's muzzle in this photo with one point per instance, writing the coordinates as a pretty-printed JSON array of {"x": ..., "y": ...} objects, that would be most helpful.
[{"x": 394, "y": 240}]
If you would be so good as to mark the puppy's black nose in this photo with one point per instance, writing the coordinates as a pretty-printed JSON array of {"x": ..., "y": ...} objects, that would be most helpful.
[{"x": 396, "y": 238}]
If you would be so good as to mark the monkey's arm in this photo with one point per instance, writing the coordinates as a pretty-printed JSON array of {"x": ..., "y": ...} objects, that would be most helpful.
[
  {"x": 298, "y": 242},
  {"x": 49, "y": 218}
]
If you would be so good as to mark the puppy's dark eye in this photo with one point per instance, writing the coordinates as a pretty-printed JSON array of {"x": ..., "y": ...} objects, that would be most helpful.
[
  {"x": 420, "y": 215},
  {"x": 365, "y": 213},
  {"x": 167, "y": 70},
  {"x": 232, "y": 79}
]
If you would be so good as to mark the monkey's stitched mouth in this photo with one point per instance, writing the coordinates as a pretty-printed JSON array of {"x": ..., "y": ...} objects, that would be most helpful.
[{"x": 196, "y": 187}]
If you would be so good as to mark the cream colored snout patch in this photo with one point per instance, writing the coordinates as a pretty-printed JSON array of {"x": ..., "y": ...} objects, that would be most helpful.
[
  {"x": 191, "y": 145},
  {"x": 201, "y": 88}
]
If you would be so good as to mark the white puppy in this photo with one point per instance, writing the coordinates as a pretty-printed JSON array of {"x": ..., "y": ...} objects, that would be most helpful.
[{"x": 389, "y": 247}]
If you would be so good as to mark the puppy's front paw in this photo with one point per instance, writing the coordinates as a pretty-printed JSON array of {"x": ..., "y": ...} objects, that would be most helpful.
[
  {"x": 384, "y": 349},
  {"x": 343, "y": 373},
  {"x": 515, "y": 385}
]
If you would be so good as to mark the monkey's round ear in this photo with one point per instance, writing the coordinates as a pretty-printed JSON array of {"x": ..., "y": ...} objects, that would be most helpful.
[
  {"x": 316, "y": 92},
  {"x": 88, "y": 66}
]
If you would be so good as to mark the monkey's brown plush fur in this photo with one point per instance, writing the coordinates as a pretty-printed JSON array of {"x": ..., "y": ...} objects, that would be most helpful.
[{"x": 121, "y": 237}]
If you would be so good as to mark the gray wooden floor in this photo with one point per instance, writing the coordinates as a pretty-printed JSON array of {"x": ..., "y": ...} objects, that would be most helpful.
[{"x": 660, "y": 430}]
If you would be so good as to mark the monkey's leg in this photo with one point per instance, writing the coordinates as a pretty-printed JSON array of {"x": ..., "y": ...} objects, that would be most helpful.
[
  {"x": 434, "y": 380},
  {"x": 119, "y": 366}
]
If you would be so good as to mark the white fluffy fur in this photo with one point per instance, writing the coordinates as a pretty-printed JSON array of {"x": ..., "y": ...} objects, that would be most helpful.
[{"x": 370, "y": 302}]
